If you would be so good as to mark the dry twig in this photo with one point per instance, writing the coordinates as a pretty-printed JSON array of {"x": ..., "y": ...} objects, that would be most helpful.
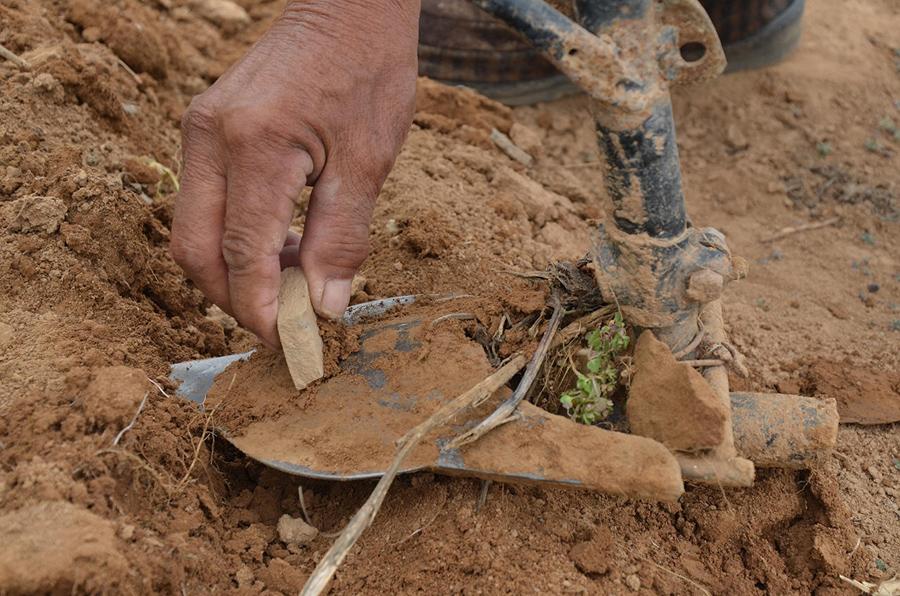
[
  {"x": 507, "y": 410},
  {"x": 511, "y": 149},
  {"x": 20, "y": 62},
  {"x": 324, "y": 571},
  {"x": 703, "y": 363},
  {"x": 790, "y": 230}
]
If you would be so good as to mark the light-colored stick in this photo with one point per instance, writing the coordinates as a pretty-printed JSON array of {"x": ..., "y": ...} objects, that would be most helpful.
[
  {"x": 511, "y": 149},
  {"x": 790, "y": 230},
  {"x": 703, "y": 362},
  {"x": 324, "y": 571},
  {"x": 20, "y": 62}
]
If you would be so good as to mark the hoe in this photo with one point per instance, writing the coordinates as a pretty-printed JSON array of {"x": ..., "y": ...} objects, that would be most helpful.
[{"x": 665, "y": 275}]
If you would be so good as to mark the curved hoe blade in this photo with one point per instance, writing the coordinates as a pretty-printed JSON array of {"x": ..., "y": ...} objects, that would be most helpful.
[{"x": 403, "y": 372}]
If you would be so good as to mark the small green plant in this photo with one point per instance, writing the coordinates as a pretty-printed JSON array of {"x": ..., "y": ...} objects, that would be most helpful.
[
  {"x": 588, "y": 402},
  {"x": 824, "y": 149}
]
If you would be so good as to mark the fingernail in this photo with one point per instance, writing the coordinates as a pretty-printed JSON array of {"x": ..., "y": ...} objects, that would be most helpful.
[{"x": 335, "y": 298}]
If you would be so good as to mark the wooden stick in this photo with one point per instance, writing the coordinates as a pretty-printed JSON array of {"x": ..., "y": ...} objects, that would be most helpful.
[
  {"x": 20, "y": 62},
  {"x": 324, "y": 571},
  {"x": 790, "y": 230}
]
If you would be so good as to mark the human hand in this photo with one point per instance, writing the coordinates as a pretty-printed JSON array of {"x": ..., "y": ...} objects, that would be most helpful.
[{"x": 325, "y": 98}]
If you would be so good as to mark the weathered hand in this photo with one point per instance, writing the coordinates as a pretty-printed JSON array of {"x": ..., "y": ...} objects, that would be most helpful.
[{"x": 324, "y": 98}]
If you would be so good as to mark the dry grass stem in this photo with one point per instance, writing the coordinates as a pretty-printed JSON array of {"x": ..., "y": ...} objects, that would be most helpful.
[{"x": 324, "y": 571}]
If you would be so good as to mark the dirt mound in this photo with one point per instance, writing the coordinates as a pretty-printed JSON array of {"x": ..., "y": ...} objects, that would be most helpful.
[
  {"x": 91, "y": 304},
  {"x": 77, "y": 550}
]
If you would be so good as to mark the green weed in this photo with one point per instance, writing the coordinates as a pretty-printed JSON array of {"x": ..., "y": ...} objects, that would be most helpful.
[{"x": 589, "y": 401}]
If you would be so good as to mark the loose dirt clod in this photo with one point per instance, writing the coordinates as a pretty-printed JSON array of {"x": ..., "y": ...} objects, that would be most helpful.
[
  {"x": 298, "y": 329},
  {"x": 77, "y": 550},
  {"x": 293, "y": 530},
  {"x": 671, "y": 402}
]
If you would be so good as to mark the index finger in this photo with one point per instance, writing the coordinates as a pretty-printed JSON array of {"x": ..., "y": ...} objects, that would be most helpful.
[
  {"x": 196, "y": 241},
  {"x": 261, "y": 197}
]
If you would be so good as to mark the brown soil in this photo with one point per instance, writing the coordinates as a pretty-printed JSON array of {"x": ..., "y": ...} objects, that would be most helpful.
[{"x": 90, "y": 303}]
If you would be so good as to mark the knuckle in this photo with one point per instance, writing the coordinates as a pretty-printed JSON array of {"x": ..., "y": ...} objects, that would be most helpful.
[
  {"x": 200, "y": 117},
  {"x": 345, "y": 248},
  {"x": 348, "y": 255},
  {"x": 245, "y": 128},
  {"x": 240, "y": 248}
]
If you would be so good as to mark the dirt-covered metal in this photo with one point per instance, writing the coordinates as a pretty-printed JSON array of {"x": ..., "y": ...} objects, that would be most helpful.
[{"x": 625, "y": 54}]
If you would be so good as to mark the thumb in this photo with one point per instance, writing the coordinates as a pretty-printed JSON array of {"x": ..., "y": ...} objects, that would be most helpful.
[{"x": 335, "y": 239}]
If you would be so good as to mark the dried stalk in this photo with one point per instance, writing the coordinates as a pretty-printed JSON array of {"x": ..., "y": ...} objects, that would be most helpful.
[
  {"x": 578, "y": 327},
  {"x": 507, "y": 410},
  {"x": 505, "y": 144},
  {"x": 703, "y": 362},
  {"x": 15, "y": 59},
  {"x": 791, "y": 230},
  {"x": 324, "y": 571}
]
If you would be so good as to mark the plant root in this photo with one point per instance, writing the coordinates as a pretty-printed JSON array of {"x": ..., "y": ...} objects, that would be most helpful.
[{"x": 134, "y": 418}]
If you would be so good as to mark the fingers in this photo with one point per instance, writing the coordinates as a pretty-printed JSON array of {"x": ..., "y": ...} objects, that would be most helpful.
[
  {"x": 336, "y": 237},
  {"x": 262, "y": 188},
  {"x": 196, "y": 242}
]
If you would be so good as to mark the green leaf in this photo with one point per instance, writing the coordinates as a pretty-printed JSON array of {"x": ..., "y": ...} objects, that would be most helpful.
[
  {"x": 595, "y": 364},
  {"x": 585, "y": 385}
]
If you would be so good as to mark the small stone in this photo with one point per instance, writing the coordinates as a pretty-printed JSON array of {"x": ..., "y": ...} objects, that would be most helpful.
[
  {"x": 224, "y": 13},
  {"x": 873, "y": 287},
  {"x": 392, "y": 227},
  {"x": 293, "y": 530},
  {"x": 126, "y": 532},
  {"x": 875, "y": 473},
  {"x": 633, "y": 582}
]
